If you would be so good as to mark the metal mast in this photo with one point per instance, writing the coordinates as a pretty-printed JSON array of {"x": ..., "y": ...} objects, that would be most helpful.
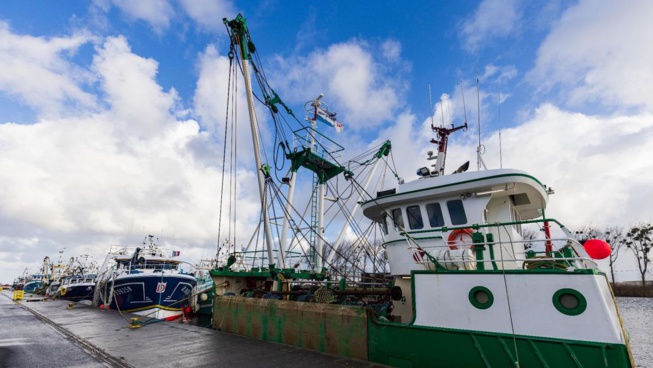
[{"x": 239, "y": 29}]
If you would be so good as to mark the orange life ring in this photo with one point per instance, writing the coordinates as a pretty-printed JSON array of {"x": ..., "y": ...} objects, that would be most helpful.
[{"x": 458, "y": 236}]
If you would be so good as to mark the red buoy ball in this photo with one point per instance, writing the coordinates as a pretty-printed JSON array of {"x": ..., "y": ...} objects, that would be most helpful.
[
  {"x": 187, "y": 310},
  {"x": 597, "y": 248}
]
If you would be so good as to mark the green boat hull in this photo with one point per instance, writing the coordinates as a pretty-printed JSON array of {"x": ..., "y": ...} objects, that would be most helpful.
[
  {"x": 414, "y": 346},
  {"x": 355, "y": 332}
]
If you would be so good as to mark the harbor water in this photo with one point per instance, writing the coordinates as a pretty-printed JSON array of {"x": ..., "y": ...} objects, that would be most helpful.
[{"x": 637, "y": 314}]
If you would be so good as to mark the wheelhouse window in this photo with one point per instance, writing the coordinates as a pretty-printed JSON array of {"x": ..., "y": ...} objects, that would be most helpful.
[
  {"x": 434, "y": 212},
  {"x": 397, "y": 219},
  {"x": 457, "y": 212},
  {"x": 384, "y": 224},
  {"x": 414, "y": 217}
]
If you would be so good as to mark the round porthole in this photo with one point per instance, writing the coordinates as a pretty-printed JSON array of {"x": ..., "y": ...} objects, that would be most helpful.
[
  {"x": 569, "y": 302},
  {"x": 481, "y": 297}
]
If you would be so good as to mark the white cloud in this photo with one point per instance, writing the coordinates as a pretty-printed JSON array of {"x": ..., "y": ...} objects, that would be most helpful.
[
  {"x": 391, "y": 50},
  {"x": 492, "y": 18},
  {"x": 160, "y": 14},
  {"x": 363, "y": 90},
  {"x": 157, "y": 13},
  {"x": 598, "y": 52},
  {"x": 598, "y": 166},
  {"x": 39, "y": 73},
  {"x": 210, "y": 98},
  {"x": 211, "y": 103},
  {"x": 102, "y": 178},
  {"x": 209, "y": 14},
  {"x": 138, "y": 103}
]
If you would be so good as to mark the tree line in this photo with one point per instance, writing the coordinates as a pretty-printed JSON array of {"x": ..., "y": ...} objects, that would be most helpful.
[{"x": 636, "y": 239}]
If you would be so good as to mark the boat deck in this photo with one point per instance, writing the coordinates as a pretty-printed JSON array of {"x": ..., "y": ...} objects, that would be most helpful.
[{"x": 106, "y": 336}]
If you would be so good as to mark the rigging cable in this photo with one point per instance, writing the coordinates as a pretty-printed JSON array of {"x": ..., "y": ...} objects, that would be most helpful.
[
  {"x": 505, "y": 284},
  {"x": 224, "y": 150}
]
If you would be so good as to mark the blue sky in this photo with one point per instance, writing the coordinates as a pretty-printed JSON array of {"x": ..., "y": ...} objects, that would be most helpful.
[{"x": 111, "y": 109}]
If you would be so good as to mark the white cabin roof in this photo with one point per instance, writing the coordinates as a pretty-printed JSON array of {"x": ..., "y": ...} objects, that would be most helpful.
[{"x": 529, "y": 196}]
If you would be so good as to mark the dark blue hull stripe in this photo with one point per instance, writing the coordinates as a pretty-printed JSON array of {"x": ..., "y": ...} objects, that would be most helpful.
[{"x": 169, "y": 292}]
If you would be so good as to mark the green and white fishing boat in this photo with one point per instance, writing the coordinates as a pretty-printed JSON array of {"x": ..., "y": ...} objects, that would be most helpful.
[
  {"x": 204, "y": 289},
  {"x": 479, "y": 276}
]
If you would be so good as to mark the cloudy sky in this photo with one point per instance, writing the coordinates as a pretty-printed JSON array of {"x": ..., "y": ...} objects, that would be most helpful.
[{"x": 112, "y": 111}]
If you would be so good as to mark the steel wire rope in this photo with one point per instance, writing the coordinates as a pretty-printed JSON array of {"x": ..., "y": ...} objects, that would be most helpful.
[
  {"x": 302, "y": 215},
  {"x": 258, "y": 234},
  {"x": 340, "y": 205},
  {"x": 349, "y": 218},
  {"x": 359, "y": 247},
  {"x": 306, "y": 223},
  {"x": 409, "y": 238},
  {"x": 350, "y": 186},
  {"x": 349, "y": 221},
  {"x": 370, "y": 249},
  {"x": 275, "y": 190},
  {"x": 224, "y": 152},
  {"x": 505, "y": 284},
  {"x": 262, "y": 87},
  {"x": 394, "y": 166},
  {"x": 256, "y": 74},
  {"x": 335, "y": 191},
  {"x": 295, "y": 227},
  {"x": 262, "y": 80},
  {"x": 266, "y": 89}
]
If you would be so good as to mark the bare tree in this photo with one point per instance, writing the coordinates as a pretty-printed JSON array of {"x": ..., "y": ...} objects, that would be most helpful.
[
  {"x": 587, "y": 232},
  {"x": 529, "y": 236},
  {"x": 358, "y": 257},
  {"x": 614, "y": 235},
  {"x": 639, "y": 239}
]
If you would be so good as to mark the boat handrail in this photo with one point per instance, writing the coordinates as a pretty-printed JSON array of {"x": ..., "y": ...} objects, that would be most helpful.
[
  {"x": 565, "y": 239},
  {"x": 570, "y": 259},
  {"x": 445, "y": 229}
]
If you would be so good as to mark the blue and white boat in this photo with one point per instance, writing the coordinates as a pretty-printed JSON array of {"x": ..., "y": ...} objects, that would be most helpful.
[
  {"x": 34, "y": 283},
  {"x": 78, "y": 283},
  {"x": 148, "y": 281},
  {"x": 77, "y": 287}
]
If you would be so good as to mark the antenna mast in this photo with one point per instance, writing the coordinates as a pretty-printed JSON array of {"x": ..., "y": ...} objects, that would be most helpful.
[
  {"x": 500, "y": 153},
  {"x": 443, "y": 137},
  {"x": 480, "y": 149},
  {"x": 431, "y": 107},
  {"x": 500, "y": 101}
]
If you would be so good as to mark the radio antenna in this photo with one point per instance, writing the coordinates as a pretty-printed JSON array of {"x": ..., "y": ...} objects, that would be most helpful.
[
  {"x": 480, "y": 149},
  {"x": 462, "y": 91},
  {"x": 431, "y": 107},
  {"x": 500, "y": 153},
  {"x": 442, "y": 110},
  {"x": 500, "y": 148}
]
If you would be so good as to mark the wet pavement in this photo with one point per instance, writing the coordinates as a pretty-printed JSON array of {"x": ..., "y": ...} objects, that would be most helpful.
[
  {"x": 47, "y": 334},
  {"x": 26, "y": 341}
]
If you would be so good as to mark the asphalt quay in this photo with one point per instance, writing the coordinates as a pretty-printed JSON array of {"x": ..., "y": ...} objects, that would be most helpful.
[{"x": 96, "y": 337}]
